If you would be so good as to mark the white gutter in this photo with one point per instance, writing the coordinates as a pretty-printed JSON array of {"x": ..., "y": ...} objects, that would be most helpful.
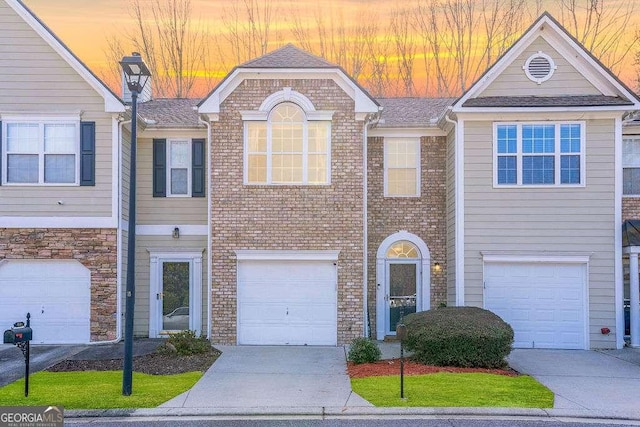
[
  {"x": 209, "y": 224},
  {"x": 118, "y": 244},
  {"x": 459, "y": 211}
]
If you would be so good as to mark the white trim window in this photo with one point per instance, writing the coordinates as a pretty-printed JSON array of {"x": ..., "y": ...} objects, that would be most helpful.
[
  {"x": 539, "y": 154},
  {"x": 287, "y": 148},
  {"x": 631, "y": 166},
  {"x": 402, "y": 167},
  {"x": 179, "y": 168},
  {"x": 40, "y": 153}
]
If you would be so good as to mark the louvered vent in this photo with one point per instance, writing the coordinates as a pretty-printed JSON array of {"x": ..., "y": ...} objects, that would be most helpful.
[{"x": 539, "y": 67}]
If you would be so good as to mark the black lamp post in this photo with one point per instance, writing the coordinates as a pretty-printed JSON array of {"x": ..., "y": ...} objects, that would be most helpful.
[{"x": 137, "y": 74}]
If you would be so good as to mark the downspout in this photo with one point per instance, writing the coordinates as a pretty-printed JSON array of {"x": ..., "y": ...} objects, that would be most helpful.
[
  {"x": 118, "y": 337},
  {"x": 209, "y": 224},
  {"x": 459, "y": 211},
  {"x": 369, "y": 120}
]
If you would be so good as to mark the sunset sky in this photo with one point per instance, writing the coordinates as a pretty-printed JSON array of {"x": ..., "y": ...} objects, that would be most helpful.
[{"x": 85, "y": 25}]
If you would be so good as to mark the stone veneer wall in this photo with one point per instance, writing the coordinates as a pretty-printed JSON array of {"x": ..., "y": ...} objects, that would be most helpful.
[
  {"x": 287, "y": 217},
  {"x": 423, "y": 216},
  {"x": 95, "y": 248},
  {"x": 630, "y": 208}
]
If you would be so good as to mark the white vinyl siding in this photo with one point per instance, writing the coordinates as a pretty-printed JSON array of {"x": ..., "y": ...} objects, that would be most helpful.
[
  {"x": 566, "y": 80},
  {"x": 539, "y": 154},
  {"x": 37, "y": 81},
  {"x": 543, "y": 220},
  {"x": 163, "y": 210},
  {"x": 402, "y": 167},
  {"x": 631, "y": 166},
  {"x": 287, "y": 149},
  {"x": 451, "y": 218}
]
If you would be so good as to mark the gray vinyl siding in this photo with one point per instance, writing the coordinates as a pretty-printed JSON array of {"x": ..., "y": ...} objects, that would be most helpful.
[
  {"x": 35, "y": 80},
  {"x": 544, "y": 220},
  {"x": 451, "y": 218},
  {"x": 126, "y": 172},
  {"x": 163, "y": 210},
  {"x": 566, "y": 80},
  {"x": 141, "y": 319}
]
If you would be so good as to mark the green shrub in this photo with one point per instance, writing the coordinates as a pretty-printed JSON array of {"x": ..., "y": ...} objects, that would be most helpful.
[
  {"x": 186, "y": 343},
  {"x": 364, "y": 350},
  {"x": 459, "y": 336}
]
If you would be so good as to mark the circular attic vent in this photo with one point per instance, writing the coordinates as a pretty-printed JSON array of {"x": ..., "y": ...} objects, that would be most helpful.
[{"x": 539, "y": 67}]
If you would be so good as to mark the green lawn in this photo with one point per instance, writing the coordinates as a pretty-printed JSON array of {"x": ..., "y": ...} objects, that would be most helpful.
[
  {"x": 449, "y": 389},
  {"x": 96, "y": 390}
]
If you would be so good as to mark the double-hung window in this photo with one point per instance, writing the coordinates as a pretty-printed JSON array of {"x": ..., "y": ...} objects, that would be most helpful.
[
  {"x": 179, "y": 167},
  {"x": 41, "y": 152},
  {"x": 287, "y": 148},
  {"x": 402, "y": 167},
  {"x": 539, "y": 154},
  {"x": 631, "y": 166}
]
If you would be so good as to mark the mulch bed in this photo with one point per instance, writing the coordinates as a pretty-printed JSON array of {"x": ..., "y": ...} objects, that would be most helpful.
[
  {"x": 392, "y": 367},
  {"x": 154, "y": 363}
]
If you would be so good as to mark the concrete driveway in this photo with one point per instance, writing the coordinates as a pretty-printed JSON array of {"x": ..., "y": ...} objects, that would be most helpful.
[
  {"x": 601, "y": 381},
  {"x": 270, "y": 377}
]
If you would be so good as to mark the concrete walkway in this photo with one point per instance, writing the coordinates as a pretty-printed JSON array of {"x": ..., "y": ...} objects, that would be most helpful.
[
  {"x": 599, "y": 381},
  {"x": 270, "y": 377}
]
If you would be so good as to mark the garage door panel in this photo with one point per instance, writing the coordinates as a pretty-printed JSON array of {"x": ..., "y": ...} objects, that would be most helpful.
[
  {"x": 302, "y": 293},
  {"x": 56, "y": 293},
  {"x": 544, "y": 303}
]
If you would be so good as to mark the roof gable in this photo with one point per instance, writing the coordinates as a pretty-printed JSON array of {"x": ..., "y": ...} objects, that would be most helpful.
[
  {"x": 112, "y": 103},
  {"x": 590, "y": 79},
  {"x": 288, "y": 62},
  {"x": 288, "y": 56}
]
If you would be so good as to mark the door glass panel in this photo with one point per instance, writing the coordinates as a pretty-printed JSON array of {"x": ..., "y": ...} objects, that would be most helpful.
[
  {"x": 175, "y": 300},
  {"x": 402, "y": 292}
]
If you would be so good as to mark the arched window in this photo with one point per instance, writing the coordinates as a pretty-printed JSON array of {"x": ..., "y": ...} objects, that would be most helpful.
[
  {"x": 287, "y": 148},
  {"x": 403, "y": 249}
]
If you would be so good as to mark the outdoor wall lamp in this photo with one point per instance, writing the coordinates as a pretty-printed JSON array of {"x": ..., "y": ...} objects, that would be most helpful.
[{"x": 176, "y": 233}]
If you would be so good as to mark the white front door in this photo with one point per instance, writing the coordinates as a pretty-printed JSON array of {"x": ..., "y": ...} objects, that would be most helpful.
[
  {"x": 544, "y": 302},
  {"x": 176, "y": 293},
  {"x": 402, "y": 291},
  {"x": 287, "y": 302}
]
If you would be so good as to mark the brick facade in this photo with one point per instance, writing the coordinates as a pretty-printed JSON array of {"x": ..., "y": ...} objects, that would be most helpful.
[
  {"x": 94, "y": 248},
  {"x": 630, "y": 208},
  {"x": 287, "y": 217},
  {"x": 423, "y": 216}
]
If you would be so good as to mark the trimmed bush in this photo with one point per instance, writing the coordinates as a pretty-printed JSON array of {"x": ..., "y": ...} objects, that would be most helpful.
[
  {"x": 186, "y": 343},
  {"x": 468, "y": 337},
  {"x": 364, "y": 350}
]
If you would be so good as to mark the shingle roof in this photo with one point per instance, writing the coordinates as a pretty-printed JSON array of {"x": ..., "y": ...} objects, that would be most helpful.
[
  {"x": 288, "y": 56},
  {"x": 170, "y": 113},
  {"x": 409, "y": 112},
  {"x": 546, "y": 101}
]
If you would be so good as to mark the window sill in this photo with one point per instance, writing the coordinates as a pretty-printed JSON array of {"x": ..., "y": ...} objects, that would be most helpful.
[{"x": 539, "y": 186}]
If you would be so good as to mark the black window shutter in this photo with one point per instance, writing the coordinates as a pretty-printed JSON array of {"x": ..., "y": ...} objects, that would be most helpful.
[
  {"x": 87, "y": 153},
  {"x": 197, "y": 168},
  {"x": 159, "y": 168}
]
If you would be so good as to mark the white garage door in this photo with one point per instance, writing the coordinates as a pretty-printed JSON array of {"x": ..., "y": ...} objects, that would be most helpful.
[
  {"x": 56, "y": 293},
  {"x": 287, "y": 303},
  {"x": 544, "y": 303}
]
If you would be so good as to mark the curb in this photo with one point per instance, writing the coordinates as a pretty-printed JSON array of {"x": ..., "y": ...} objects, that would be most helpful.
[{"x": 348, "y": 412}]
